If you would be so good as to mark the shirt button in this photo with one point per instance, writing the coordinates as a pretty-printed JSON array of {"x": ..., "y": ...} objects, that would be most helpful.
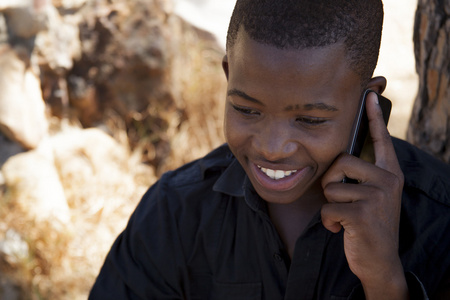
[{"x": 277, "y": 257}]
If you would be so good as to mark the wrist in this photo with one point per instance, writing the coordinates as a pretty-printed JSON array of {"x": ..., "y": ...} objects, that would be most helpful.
[{"x": 390, "y": 287}]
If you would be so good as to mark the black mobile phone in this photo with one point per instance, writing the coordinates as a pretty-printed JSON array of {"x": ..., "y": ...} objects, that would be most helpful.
[{"x": 360, "y": 144}]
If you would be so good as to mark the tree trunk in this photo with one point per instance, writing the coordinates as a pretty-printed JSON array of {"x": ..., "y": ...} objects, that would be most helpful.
[{"x": 429, "y": 127}]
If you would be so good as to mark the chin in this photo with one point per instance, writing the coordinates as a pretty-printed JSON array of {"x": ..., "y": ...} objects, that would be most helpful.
[{"x": 278, "y": 197}]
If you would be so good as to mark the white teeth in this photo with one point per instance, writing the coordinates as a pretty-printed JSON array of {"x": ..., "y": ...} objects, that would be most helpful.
[
  {"x": 279, "y": 174},
  {"x": 276, "y": 174}
]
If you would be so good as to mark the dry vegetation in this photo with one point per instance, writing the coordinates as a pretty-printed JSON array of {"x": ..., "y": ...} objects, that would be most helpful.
[
  {"x": 63, "y": 260},
  {"x": 205, "y": 98}
]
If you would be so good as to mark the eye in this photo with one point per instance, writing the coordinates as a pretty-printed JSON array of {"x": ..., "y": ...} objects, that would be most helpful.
[
  {"x": 246, "y": 111},
  {"x": 311, "y": 121}
]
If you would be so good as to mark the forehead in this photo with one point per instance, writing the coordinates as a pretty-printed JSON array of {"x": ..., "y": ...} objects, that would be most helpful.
[{"x": 310, "y": 71}]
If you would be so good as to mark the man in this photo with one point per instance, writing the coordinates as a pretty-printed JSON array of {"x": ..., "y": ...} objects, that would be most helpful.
[{"x": 267, "y": 216}]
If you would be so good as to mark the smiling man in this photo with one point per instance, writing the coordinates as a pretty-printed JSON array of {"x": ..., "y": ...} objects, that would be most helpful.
[{"x": 267, "y": 216}]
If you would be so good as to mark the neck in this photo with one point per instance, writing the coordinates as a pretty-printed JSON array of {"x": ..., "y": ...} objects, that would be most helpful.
[{"x": 291, "y": 219}]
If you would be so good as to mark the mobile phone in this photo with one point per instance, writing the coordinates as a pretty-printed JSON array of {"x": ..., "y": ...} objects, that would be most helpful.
[{"x": 360, "y": 144}]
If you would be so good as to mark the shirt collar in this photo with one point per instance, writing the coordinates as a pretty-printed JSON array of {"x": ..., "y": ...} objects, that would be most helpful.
[
  {"x": 231, "y": 182},
  {"x": 235, "y": 182},
  {"x": 252, "y": 198}
]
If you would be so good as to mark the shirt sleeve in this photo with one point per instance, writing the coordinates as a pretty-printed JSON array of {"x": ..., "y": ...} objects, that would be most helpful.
[{"x": 146, "y": 261}]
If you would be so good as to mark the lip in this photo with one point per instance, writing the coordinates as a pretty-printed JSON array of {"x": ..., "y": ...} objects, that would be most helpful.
[{"x": 279, "y": 185}]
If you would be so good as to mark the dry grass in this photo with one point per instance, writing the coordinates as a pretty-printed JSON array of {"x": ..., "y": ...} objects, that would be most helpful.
[
  {"x": 204, "y": 98},
  {"x": 102, "y": 188},
  {"x": 64, "y": 259}
]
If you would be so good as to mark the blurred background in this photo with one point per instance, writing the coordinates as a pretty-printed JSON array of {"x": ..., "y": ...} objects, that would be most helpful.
[
  {"x": 97, "y": 99},
  {"x": 396, "y": 61}
]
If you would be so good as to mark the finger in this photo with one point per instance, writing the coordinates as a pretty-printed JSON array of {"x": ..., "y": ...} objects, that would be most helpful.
[
  {"x": 337, "y": 215},
  {"x": 337, "y": 192},
  {"x": 349, "y": 166},
  {"x": 385, "y": 156},
  {"x": 330, "y": 219}
]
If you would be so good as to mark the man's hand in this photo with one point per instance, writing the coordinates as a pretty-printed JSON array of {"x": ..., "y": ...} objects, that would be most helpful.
[{"x": 369, "y": 212}]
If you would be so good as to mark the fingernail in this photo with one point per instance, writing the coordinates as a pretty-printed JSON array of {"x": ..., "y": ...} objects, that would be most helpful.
[{"x": 376, "y": 99}]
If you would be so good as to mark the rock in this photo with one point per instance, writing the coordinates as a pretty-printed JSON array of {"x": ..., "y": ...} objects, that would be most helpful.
[
  {"x": 128, "y": 67},
  {"x": 8, "y": 148},
  {"x": 32, "y": 182},
  {"x": 25, "y": 18},
  {"x": 136, "y": 65},
  {"x": 126, "y": 54},
  {"x": 13, "y": 247},
  {"x": 101, "y": 183},
  {"x": 10, "y": 290},
  {"x": 57, "y": 47},
  {"x": 93, "y": 167},
  {"x": 3, "y": 30},
  {"x": 69, "y": 4},
  {"x": 22, "y": 110},
  {"x": 8, "y": 4}
]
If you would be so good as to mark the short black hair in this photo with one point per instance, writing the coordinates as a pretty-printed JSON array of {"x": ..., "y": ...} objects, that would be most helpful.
[{"x": 300, "y": 24}]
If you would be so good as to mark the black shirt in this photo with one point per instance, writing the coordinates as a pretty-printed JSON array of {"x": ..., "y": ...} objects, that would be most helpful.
[{"x": 201, "y": 232}]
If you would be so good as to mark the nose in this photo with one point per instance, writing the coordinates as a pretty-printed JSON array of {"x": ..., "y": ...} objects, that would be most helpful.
[{"x": 275, "y": 142}]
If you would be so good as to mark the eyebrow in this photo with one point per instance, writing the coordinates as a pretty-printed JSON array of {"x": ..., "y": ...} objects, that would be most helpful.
[
  {"x": 320, "y": 106},
  {"x": 235, "y": 92},
  {"x": 310, "y": 106}
]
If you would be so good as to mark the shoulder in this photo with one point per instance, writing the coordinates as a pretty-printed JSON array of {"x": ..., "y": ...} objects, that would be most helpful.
[
  {"x": 208, "y": 167},
  {"x": 186, "y": 188},
  {"x": 423, "y": 172},
  {"x": 424, "y": 223},
  {"x": 426, "y": 191},
  {"x": 176, "y": 225}
]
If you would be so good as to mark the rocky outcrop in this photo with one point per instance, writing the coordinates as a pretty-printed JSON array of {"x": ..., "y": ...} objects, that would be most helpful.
[
  {"x": 22, "y": 110},
  {"x": 34, "y": 186},
  {"x": 67, "y": 200},
  {"x": 136, "y": 61},
  {"x": 8, "y": 148},
  {"x": 97, "y": 98}
]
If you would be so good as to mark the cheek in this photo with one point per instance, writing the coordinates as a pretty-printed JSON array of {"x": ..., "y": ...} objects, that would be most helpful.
[
  {"x": 227, "y": 126},
  {"x": 234, "y": 131},
  {"x": 326, "y": 148},
  {"x": 327, "y": 151}
]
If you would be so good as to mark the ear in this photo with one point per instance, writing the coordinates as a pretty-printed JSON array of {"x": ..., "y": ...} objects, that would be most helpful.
[
  {"x": 377, "y": 84},
  {"x": 225, "y": 65}
]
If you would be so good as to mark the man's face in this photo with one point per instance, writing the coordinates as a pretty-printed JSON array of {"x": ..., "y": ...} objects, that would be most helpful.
[{"x": 288, "y": 114}]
